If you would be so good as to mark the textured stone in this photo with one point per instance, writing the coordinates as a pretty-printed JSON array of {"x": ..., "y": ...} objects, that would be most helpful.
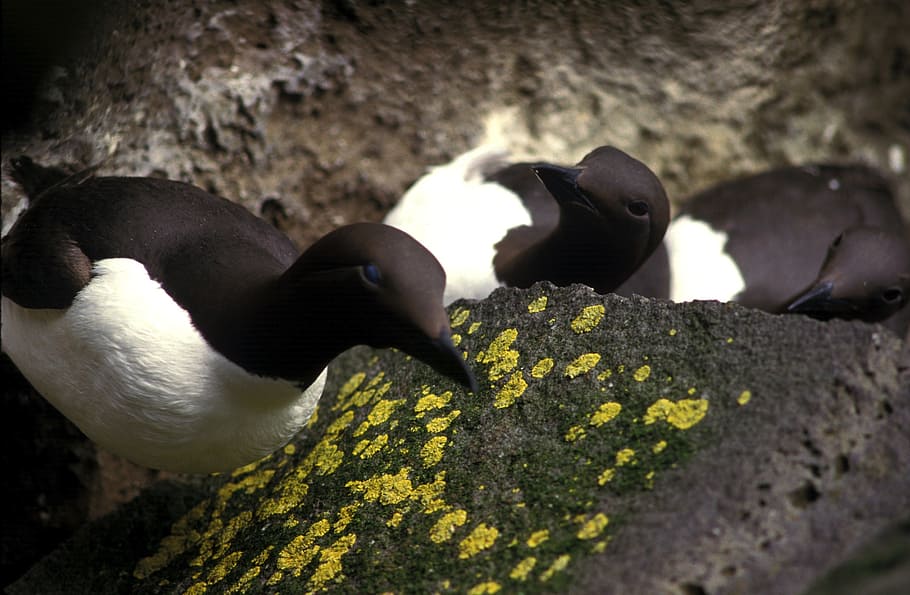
[{"x": 697, "y": 448}]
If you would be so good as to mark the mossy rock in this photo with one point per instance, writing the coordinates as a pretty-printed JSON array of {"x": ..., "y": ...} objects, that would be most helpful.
[{"x": 616, "y": 445}]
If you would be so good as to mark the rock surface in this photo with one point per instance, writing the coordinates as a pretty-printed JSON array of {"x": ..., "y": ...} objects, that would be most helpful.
[{"x": 617, "y": 445}]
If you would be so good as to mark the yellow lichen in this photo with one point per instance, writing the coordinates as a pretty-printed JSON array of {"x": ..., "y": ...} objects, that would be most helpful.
[
  {"x": 523, "y": 569},
  {"x": 659, "y": 446},
  {"x": 558, "y": 565},
  {"x": 605, "y": 413},
  {"x": 430, "y": 401},
  {"x": 348, "y": 388},
  {"x": 606, "y": 476},
  {"x": 542, "y": 368},
  {"x": 486, "y": 588},
  {"x": 345, "y": 516},
  {"x": 538, "y": 305},
  {"x": 432, "y": 451},
  {"x": 396, "y": 519},
  {"x": 380, "y": 414},
  {"x": 593, "y": 527},
  {"x": 456, "y": 339},
  {"x": 367, "y": 448},
  {"x": 473, "y": 328},
  {"x": 683, "y": 414},
  {"x": 624, "y": 457},
  {"x": 301, "y": 550},
  {"x": 500, "y": 355},
  {"x": 582, "y": 364},
  {"x": 642, "y": 373},
  {"x": 444, "y": 528},
  {"x": 481, "y": 538},
  {"x": 604, "y": 375},
  {"x": 385, "y": 488},
  {"x": 459, "y": 317},
  {"x": 672, "y": 332},
  {"x": 514, "y": 387},
  {"x": 589, "y": 318},
  {"x": 330, "y": 561},
  {"x": 538, "y": 537},
  {"x": 744, "y": 397},
  {"x": 441, "y": 424},
  {"x": 575, "y": 433},
  {"x": 174, "y": 544}
]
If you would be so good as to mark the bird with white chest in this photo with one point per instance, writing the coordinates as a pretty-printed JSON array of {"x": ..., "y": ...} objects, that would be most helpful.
[
  {"x": 825, "y": 240},
  {"x": 491, "y": 223},
  {"x": 176, "y": 329}
]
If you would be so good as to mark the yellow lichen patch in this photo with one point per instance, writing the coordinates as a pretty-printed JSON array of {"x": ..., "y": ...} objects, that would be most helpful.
[
  {"x": 255, "y": 569},
  {"x": 223, "y": 568},
  {"x": 486, "y": 588},
  {"x": 441, "y": 424},
  {"x": 380, "y": 414},
  {"x": 339, "y": 425},
  {"x": 672, "y": 332},
  {"x": 301, "y": 550},
  {"x": 396, "y": 519},
  {"x": 367, "y": 448},
  {"x": 385, "y": 488},
  {"x": 290, "y": 493},
  {"x": 729, "y": 340},
  {"x": 430, "y": 494},
  {"x": 558, "y": 565},
  {"x": 604, "y": 375},
  {"x": 514, "y": 387},
  {"x": 744, "y": 397},
  {"x": 289, "y": 449},
  {"x": 345, "y": 516},
  {"x": 683, "y": 414},
  {"x": 659, "y": 447},
  {"x": 605, "y": 413},
  {"x": 649, "y": 479},
  {"x": 606, "y": 476},
  {"x": 473, "y": 328},
  {"x": 538, "y": 537},
  {"x": 459, "y": 317},
  {"x": 432, "y": 451},
  {"x": 642, "y": 373},
  {"x": 456, "y": 339},
  {"x": 174, "y": 544},
  {"x": 538, "y": 305},
  {"x": 523, "y": 569},
  {"x": 624, "y": 457},
  {"x": 582, "y": 364},
  {"x": 542, "y": 368},
  {"x": 348, "y": 388},
  {"x": 500, "y": 355},
  {"x": 593, "y": 527},
  {"x": 481, "y": 538},
  {"x": 430, "y": 401},
  {"x": 371, "y": 391},
  {"x": 575, "y": 433},
  {"x": 589, "y": 318},
  {"x": 444, "y": 528},
  {"x": 330, "y": 562}
]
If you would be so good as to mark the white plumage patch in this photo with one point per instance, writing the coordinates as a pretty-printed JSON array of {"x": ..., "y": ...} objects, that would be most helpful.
[
  {"x": 126, "y": 365},
  {"x": 459, "y": 218},
  {"x": 700, "y": 269}
]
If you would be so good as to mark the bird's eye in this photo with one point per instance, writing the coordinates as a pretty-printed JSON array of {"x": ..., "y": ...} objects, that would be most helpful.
[
  {"x": 371, "y": 273},
  {"x": 638, "y": 208},
  {"x": 892, "y": 295}
]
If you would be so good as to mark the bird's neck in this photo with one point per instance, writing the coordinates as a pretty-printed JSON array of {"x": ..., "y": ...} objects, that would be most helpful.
[{"x": 564, "y": 257}]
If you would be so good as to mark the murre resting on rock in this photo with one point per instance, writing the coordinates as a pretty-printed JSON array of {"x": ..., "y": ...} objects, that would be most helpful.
[
  {"x": 177, "y": 329},
  {"x": 823, "y": 240},
  {"x": 491, "y": 223}
]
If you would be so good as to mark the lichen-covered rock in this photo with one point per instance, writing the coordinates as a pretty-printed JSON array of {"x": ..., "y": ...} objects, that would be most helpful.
[{"x": 617, "y": 445}]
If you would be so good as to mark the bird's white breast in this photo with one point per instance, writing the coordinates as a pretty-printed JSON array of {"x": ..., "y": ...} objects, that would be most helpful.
[
  {"x": 460, "y": 217},
  {"x": 700, "y": 269},
  {"x": 126, "y": 365}
]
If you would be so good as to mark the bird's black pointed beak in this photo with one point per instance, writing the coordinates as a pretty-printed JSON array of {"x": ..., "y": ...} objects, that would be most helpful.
[
  {"x": 445, "y": 358},
  {"x": 819, "y": 302},
  {"x": 562, "y": 182}
]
